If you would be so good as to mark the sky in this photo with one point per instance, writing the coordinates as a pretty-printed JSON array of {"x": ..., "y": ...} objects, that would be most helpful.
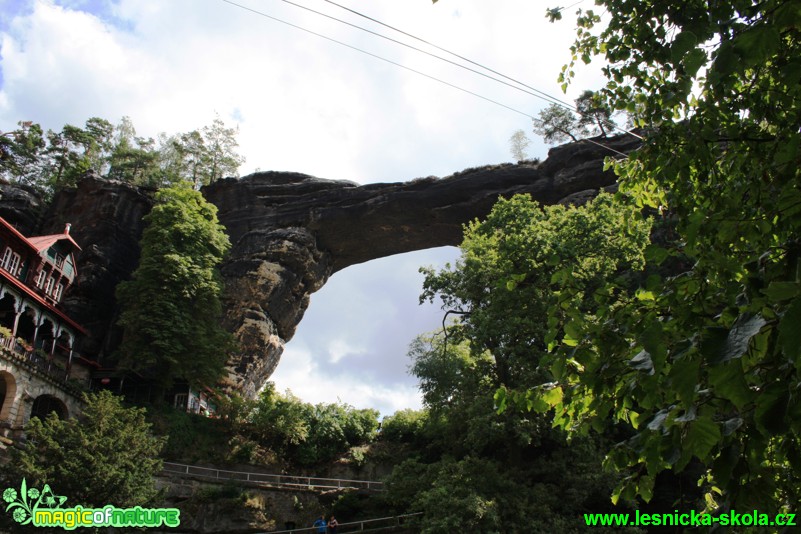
[{"x": 305, "y": 103}]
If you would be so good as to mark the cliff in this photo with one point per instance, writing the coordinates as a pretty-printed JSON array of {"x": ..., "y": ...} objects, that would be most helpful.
[{"x": 290, "y": 232}]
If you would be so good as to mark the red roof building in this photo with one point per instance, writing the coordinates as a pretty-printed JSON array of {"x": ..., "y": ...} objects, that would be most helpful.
[{"x": 35, "y": 274}]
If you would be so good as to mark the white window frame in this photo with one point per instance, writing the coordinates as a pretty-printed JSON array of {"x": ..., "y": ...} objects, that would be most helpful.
[
  {"x": 15, "y": 264},
  {"x": 59, "y": 292},
  {"x": 51, "y": 282},
  {"x": 40, "y": 279},
  {"x": 11, "y": 261},
  {"x": 6, "y": 258}
]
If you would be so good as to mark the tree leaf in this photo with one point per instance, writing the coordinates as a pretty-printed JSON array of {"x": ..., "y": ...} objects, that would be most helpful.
[
  {"x": 729, "y": 383},
  {"x": 694, "y": 60},
  {"x": 683, "y": 43},
  {"x": 790, "y": 332},
  {"x": 683, "y": 378},
  {"x": 771, "y": 409},
  {"x": 702, "y": 437},
  {"x": 779, "y": 291},
  {"x": 757, "y": 44}
]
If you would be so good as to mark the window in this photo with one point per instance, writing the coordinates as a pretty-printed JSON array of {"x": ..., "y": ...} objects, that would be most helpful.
[
  {"x": 6, "y": 258},
  {"x": 11, "y": 261},
  {"x": 59, "y": 261},
  {"x": 59, "y": 291},
  {"x": 49, "y": 287},
  {"x": 40, "y": 279}
]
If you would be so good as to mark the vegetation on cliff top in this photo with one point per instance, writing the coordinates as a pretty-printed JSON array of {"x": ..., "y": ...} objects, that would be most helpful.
[{"x": 52, "y": 160}]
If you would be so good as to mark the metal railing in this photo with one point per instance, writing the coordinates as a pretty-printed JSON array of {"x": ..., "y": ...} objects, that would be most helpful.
[
  {"x": 290, "y": 481},
  {"x": 366, "y": 525},
  {"x": 45, "y": 365}
]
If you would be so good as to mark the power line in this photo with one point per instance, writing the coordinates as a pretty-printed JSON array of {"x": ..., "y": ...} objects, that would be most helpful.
[
  {"x": 539, "y": 94},
  {"x": 378, "y": 57},
  {"x": 535, "y": 92},
  {"x": 341, "y": 43}
]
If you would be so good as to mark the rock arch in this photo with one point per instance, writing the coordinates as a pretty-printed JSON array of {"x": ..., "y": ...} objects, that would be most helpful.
[{"x": 290, "y": 232}]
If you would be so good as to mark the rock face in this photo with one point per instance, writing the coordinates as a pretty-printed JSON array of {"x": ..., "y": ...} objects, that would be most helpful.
[{"x": 290, "y": 232}]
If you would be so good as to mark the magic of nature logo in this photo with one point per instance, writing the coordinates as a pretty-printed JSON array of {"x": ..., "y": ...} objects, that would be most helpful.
[{"x": 43, "y": 508}]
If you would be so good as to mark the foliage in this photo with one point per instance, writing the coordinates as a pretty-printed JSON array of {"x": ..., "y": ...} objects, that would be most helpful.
[
  {"x": 333, "y": 429},
  {"x": 593, "y": 113},
  {"x": 297, "y": 431},
  {"x": 133, "y": 159},
  {"x": 592, "y": 116},
  {"x": 20, "y": 151},
  {"x": 109, "y": 456},
  {"x": 280, "y": 420},
  {"x": 189, "y": 437},
  {"x": 475, "y": 469},
  {"x": 404, "y": 426},
  {"x": 52, "y": 160},
  {"x": 171, "y": 307},
  {"x": 702, "y": 363},
  {"x": 512, "y": 265},
  {"x": 557, "y": 123}
]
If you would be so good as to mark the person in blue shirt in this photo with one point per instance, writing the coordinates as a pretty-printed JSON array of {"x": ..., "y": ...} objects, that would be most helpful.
[{"x": 320, "y": 524}]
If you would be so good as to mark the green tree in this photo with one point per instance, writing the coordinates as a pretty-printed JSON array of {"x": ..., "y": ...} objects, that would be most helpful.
[
  {"x": 557, "y": 123},
  {"x": 97, "y": 151},
  {"x": 65, "y": 155},
  {"x": 404, "y": 426},
  {"x": 280, "y": 420},
  {"x": 202, "y": 156},
  {"x": 221, "y": 144},
  {"x": 171, "y": 307},
  {"x": 701, "y": 364},
  {"x": 21, "y": 153},
  {"x": 107, "y": 456},
  {"x": 73, "y": 151},
  {"x": 133, "y": 159},
  {"x": 476, "y": 469},
  {"x": 594, "y": 113},
  {"x": 512, "y": 262}
]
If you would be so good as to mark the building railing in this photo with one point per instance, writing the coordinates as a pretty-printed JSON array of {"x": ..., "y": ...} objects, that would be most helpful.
[
  {"x": 43, "y": 363},
  {"x": 273, "y": 480}
]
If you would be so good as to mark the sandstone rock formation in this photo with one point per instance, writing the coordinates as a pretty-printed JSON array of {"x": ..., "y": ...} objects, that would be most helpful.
[{"x": 290, "y": 232}]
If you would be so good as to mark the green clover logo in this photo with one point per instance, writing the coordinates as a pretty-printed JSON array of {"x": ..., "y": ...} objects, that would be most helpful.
[
  {"x": 22, "y": 505},
  {"x": 20, "y": 515},
  {"x": 10, "y": 495}
]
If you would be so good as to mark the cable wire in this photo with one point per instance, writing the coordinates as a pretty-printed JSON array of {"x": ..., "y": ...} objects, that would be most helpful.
[
  {"x": 531, "y": 91},
  {"x": 341, "y": 43},
  {"x": 539, "y": 94}
]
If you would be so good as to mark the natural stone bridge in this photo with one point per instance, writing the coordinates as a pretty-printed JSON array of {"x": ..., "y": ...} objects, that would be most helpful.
[{"x": 290, "y": 232}]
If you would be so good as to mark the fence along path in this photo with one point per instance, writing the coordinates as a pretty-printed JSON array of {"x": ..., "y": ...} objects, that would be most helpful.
[
  {"x": 366, "y": 525},
  {"x": 288, "y": 481}
]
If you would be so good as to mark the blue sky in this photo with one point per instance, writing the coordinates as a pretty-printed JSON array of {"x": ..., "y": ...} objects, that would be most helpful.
[{"x": 308, "y": 105}]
